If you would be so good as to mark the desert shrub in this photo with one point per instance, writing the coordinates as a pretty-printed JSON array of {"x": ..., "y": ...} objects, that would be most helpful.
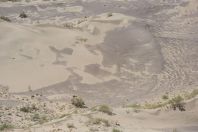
[
  {"x": 35, "y": 117},
  {"x": 136, "y": 110},
  {"x": 70, "y": 125},
  {"x": 5, "y": 18},
  {"x": 78, "y": 102},
  {"x": 109, "y": 14},
  {"x": 69, "y": 25},
  {"x": 38, "y": 118},
  {"x": 99, "y": 121},
  {"x": 28, "y": 109},
  {"x": 165, "y": 97},
  {"x": 5, "y": 127},
  {"x": 96, "y": 121},
  {"x": 105, "y": 109},
  {"x": 43, "y": 119},
  {"x": 116, "y": 130},
  {"x": 25, "y": 109},
  {"x": 177, "y": 102},
  {"x": 23, "y": 15}
]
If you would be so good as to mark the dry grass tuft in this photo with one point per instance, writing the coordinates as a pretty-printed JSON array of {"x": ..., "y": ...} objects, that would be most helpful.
[
  {"x": 99, "y": 121},
  {"x": 105, "y": 109}
]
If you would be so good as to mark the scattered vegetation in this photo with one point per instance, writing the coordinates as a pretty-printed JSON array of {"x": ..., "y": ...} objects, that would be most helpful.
[
  {"x": 38, "y": 118},
  {"x": 35, "y": 117},
  {"x": 70, "y": 125},
  {"x": 25, "y": 109},
  {"x": 116, "y": 130},
  {"x": 105, "y": 109},
  {"x": 69, "y": 25},
  {"x": 5, "y": 127},
  {"x": 109, "y": 14},
  {"x": 23, "y": 15},
  {"x": 177, "y": 102},
  {"x": 99, "y": 121},
  {"x": 5, "y": 18},
  {"x": 29, "y": 109},
  {"x": 78, "y": 102},
  {"x": 165, "y": 97}
]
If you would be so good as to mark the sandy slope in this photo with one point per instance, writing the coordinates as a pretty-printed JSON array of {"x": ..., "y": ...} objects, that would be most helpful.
[{"x": 107, "y": 52}]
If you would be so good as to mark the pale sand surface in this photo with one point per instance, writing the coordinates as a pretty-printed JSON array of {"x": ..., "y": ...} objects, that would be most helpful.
[{"x": 35, "y": 53}]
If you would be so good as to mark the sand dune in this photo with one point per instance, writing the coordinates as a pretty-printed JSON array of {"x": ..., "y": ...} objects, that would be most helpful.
[{"x": 139, "y": 53}]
